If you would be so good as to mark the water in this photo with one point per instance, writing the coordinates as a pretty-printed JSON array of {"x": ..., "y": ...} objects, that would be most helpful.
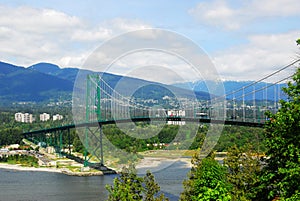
[
  {"x": 40, "y": 186},
  {"x": 47, "y": 186}
]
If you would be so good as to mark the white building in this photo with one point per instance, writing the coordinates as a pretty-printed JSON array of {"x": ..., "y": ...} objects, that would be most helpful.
[
  {"x": 28, "y": 118},
  {"x": 44, "y": 117},
  {"x": 23, "y": 117},
  {"x": 57, "y": 117},
  {"x": 176, "y": 113},
  {"x": 179, "y": 123},
  {"x": 18, "y": 116}
]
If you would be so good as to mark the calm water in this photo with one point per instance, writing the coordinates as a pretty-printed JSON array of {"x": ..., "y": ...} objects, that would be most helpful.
[{"x": 45, "y": 186}]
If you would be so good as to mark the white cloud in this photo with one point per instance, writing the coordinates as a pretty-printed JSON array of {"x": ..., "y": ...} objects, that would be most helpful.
[
  {"x": 262, "y": 55},
  {"x": 92, "y": 35},
  {"x": 153, "y": 66},
  {"x": 216, "y": 13},
  {"x": 232, "y": 17},
  {"x": 29, "y": 35},
  {"x": 36, "y": 21},
  {"x": 125, "y": 25},
  {"x": 107, "y": 29},
  {"x": 274, "y": 8},
  {"x": 153, "y": 47}
]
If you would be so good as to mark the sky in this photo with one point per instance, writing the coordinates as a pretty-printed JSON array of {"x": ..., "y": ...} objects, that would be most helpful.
[{"x": 244, "y": 39}]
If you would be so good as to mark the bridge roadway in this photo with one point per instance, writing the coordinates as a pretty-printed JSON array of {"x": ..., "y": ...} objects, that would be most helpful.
[{"x": 144, "y": 119}]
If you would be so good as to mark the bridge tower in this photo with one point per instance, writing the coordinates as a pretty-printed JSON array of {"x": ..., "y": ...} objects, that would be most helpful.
[{"x": 93, "y": 114}]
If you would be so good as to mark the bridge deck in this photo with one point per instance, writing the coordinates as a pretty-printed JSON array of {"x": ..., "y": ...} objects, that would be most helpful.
[{"x": 145, "y": 119}]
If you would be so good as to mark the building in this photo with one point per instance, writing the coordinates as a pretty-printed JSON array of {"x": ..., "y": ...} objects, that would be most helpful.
[
  {"x": 44, "y": 117},
  {"x": 28, "y": 118},
  {"x": 57, "y": 117},
  {"x": 18, "y": 116},
  {"x": 24, "y": 117},
  {"x": 178, "y": 123},
  {"x": 176, "y": 113}
]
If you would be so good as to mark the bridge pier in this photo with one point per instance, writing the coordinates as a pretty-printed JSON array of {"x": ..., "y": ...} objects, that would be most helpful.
[
  {"x": 99, "y": 138},
  {"x": 69, "y": 140},
  {"x": 101, "y": 146}
]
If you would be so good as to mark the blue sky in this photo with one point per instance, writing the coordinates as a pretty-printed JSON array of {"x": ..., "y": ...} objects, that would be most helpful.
[{"x": 242, "y": 38}]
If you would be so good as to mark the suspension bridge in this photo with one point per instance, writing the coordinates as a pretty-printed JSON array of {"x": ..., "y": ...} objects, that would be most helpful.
[{"x": 103, "y": 104}]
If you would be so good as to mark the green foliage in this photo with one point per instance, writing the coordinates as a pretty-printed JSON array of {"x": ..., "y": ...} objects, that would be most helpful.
[
  {"x": 298, "y": 41},
  {"x": 9, "y": 135},
  {"x": 243, "y": 172},
  {"x": 25, "y": 160},
  {"x": 241, "y": 136},
  {"x": 77, "y": 144},
  {"x": 37, "y": 148},
  {"x": 10, "y": 130},
  {"x": 129, "y": 187},
  {"x": 207, "y": 181},
  {"x": 281, "y": 176},
  {"x": 167, "y": 135},
  {"x": 151, "y": 189}
]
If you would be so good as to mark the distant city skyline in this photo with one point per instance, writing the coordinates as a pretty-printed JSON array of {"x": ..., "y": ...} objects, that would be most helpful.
[{"x": 244, "y": 39}]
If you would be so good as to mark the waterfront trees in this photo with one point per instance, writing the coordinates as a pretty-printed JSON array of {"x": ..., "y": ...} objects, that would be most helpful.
[
  {"x": 126, "y": 187},
  {"x": 129, "y": 186},
  {"x": 207, "y": 181}
]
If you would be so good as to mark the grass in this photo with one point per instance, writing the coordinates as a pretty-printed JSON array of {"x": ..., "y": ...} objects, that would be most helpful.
[{"x": 23, "y": 160}]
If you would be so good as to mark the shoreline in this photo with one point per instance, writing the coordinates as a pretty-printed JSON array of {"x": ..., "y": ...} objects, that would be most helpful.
[
  {"x": 65, "y": 171},
  {"x": 151, "y": 163},
  {"x": 24, "y": 168},
  {"x": 157, "y": 164}
]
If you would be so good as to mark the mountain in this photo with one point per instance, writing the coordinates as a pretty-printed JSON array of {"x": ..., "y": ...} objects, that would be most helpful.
[
  {"x": 46, "y": 81},
  {"x": 231, "y": 86},
  {"x": 69, "y": 74},
  {"x": 152, "y": 90},
  {"x": 23, "y": 84}
]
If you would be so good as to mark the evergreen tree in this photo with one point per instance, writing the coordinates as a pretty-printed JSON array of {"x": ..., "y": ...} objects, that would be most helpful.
[{"x": 151, "y": 189}]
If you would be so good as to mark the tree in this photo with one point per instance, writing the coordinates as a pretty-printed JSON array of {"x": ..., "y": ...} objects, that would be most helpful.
[
  {"x": 151, "y": 189},
  {"x": 243, "y": 172},
  {"x": 281, "y": 175},
  {"x": 129, "y": 187},
  {"x": 126, "y": 187},
  {"x": 78, "y": 146},
  {"x": 207, "y": 181}
]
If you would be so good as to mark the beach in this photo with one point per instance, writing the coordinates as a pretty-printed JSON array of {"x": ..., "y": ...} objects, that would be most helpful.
[
  {"x": 151, "y": 163},
  {"x": 47, "y": 169},
  {"x": 22, "y": 168}
]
